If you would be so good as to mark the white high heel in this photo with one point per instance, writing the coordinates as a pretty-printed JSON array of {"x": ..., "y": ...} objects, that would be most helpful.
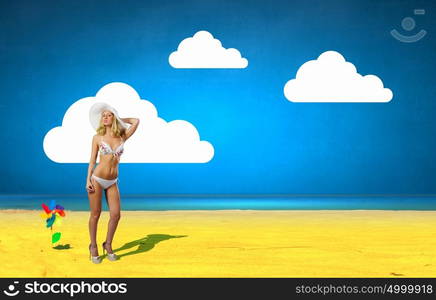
[
  {"x": 110, "y": 256},
  {"x": 94, "y": 259}
]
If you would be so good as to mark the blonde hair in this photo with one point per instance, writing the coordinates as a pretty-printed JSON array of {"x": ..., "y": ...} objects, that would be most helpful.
[{"x": 116, "y": 128}]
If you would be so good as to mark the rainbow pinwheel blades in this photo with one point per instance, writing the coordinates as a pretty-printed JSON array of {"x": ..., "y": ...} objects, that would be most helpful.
[
  {"x": 54, "y": 208},
  {"x": 51, "y": 220},
  {"x": 58, "y": 220},
  {"x": 53, "y": 215}
]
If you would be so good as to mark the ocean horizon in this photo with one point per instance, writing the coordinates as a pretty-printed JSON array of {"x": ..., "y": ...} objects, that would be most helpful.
[{"x": 226, "y": 202}]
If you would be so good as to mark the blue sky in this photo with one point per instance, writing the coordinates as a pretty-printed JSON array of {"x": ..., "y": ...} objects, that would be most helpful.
[{"x": 56, "y": 52}]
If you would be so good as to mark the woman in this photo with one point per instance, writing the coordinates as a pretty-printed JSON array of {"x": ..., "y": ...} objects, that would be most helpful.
[{"x": 112, "y": 133}]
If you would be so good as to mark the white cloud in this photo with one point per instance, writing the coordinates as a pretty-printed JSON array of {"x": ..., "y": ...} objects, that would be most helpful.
[
  {"x": 204, "y": 51},
  {"x": 155, "y": 140},
  {"x": 332, "y": 79}
]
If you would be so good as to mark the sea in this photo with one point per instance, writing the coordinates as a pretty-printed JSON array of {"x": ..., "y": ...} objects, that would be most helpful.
[{"x": 230, "y": 202}]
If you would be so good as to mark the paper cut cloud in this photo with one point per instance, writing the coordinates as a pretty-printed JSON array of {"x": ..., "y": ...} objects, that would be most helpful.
[
  {"x": 155, "y": 140},
  {"x": 204, "y": 51},
  {"x": 332, "y": 79}
]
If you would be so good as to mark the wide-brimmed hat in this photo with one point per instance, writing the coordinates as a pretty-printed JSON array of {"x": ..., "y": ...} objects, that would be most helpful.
[{"x": 95, "y": 114}]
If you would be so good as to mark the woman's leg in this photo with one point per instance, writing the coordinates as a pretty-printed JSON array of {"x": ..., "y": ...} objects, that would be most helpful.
[
  {"x": 95, "y": 210},
  {"x": 113, "y": 200}
]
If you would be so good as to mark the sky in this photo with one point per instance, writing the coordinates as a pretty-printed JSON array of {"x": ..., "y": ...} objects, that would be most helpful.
[{"x": 54, "y": 54}]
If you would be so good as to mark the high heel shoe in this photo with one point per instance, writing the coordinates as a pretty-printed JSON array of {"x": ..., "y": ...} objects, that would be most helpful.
[
  {"x": 94, "y": 259},
  {"x": 110, "y": 256}
]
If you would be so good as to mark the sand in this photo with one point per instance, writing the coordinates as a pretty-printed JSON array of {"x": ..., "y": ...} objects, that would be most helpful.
[{"x": 226, "y": 243}]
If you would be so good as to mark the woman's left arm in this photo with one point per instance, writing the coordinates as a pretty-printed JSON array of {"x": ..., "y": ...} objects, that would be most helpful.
[
  {"x": 130, "y": 120},
  {"x": 132, "y": 129}
]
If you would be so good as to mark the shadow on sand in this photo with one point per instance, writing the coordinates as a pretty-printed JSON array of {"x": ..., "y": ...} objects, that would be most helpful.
[
  {"x": 144, "y": 244},
  {"x": 62, "y": 247}
]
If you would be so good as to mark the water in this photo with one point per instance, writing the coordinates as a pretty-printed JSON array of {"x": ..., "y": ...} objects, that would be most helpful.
[{"x": 149, "y": 202}]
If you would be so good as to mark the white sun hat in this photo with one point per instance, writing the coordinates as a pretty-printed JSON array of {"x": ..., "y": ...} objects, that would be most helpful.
[{"x": 95, "y": 114}]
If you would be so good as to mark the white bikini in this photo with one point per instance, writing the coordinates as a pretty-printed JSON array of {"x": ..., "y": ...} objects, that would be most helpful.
[{"x": 105, "y": 148}]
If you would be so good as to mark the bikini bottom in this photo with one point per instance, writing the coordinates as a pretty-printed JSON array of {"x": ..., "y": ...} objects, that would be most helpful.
[{"x": 105, "y": 183}]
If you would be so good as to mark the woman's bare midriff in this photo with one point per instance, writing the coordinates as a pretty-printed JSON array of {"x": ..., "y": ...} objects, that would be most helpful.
[{"x": 108, "y": 167}]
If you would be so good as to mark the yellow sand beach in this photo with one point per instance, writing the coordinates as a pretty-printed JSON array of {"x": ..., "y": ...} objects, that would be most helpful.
[{"x": 226, "y": 243}]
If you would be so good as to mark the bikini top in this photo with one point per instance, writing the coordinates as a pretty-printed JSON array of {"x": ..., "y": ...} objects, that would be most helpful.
[{"x": 105, "y": 148}]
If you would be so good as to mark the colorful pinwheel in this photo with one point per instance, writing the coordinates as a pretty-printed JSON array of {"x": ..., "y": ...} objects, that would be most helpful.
[{"x": 53, "y": 215}]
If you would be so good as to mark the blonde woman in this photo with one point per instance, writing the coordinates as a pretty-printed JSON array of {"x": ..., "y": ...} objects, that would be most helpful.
[{"x": 111, "y": 135}]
